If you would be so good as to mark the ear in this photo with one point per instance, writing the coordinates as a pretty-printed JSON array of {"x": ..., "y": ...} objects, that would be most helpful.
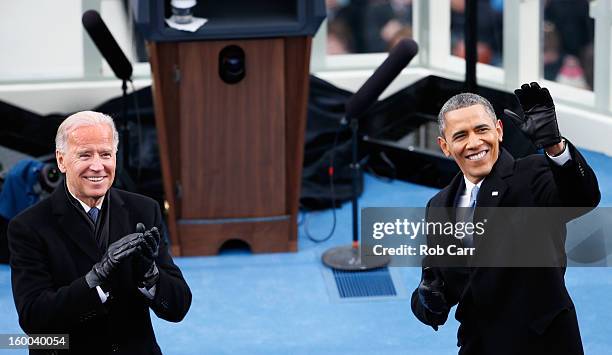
[
  {"x": 499, "y": 127},
  {"x": 59, "y": 157},
  {"x": 444, "y": 146}
]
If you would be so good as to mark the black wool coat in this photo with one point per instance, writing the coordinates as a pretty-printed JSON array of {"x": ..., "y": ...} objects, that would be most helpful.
[{"x": 53, "y": 247}]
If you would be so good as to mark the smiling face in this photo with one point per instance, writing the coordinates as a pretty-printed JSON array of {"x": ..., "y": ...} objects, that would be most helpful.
[
  {"x": 472, "y": 138},
  {"x": 88, "y": 162}
]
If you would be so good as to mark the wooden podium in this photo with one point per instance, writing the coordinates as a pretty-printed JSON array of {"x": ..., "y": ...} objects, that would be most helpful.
[{"x": 231, "y": 153}]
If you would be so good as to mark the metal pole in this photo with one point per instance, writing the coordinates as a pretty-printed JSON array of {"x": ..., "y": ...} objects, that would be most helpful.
[
  {"x": 354, "y": 184},
  {"x": 471, "y": 44}
]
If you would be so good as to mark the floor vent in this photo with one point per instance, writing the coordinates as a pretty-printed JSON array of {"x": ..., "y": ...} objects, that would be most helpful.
[{"x": 371, "y": 283}]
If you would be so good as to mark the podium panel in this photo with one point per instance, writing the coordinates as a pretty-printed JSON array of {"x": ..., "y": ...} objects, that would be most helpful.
[
  {"x": 231, "y": 152},
  {"x": 232, "y": 136}
]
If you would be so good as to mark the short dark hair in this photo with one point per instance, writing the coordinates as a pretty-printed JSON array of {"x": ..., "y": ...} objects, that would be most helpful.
[{"x": 461, "y": 101}]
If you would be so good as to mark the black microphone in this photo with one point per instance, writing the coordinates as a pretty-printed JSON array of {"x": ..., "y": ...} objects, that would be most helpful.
[
  {"x": 398, "y": 59},
  {"x": 107, "y": 45}
]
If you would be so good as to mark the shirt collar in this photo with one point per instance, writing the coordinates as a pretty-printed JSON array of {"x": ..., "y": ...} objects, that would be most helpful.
[
  {"x": 84, "y": 205},
  {"x": 470, "y": 185}
]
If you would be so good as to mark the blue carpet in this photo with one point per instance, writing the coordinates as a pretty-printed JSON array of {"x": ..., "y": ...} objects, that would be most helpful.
[{"x": 279, "y": 303}]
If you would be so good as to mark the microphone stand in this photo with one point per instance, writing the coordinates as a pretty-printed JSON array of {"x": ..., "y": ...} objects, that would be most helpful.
[
  {"x": 125, "y": 136},
  {"x": 348, "y": 257},
  {"x": 124, "y": 180}
]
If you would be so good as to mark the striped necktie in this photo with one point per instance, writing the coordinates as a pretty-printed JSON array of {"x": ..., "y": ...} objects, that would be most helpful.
[{"x": 93, "y": 214}]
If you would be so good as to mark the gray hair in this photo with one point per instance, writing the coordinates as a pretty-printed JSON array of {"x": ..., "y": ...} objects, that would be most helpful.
[
  {"x": 81, "y": 119},
  {"x": 461, "y": 101}
]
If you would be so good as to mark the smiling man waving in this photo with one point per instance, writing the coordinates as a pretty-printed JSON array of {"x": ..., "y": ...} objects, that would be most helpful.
[{"x": 516, "y": 310}]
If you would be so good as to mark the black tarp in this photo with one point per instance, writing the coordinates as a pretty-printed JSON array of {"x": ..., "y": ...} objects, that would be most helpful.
[{"x": 34, "y": 135}]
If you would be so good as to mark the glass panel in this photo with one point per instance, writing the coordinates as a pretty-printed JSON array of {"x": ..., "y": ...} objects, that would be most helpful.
[
  {"x": 567, "y": 50},
  {"x": 367, "y": 26},
  {"x": 489, "y": 30}
]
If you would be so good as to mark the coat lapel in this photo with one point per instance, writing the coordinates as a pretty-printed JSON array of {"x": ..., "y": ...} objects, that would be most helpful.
[
  {"x": 451, "y": 195},
  {"x": 442, "y": 208},
  {"x": 493, "y": 189},
  {"x": 73, "y": 225},
  {"x": 119, "y": 217},
  {"x": 447, "y": 197}
]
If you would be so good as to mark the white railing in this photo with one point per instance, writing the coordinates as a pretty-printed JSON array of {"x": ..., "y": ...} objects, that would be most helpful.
[{"x": 87, "y": 80}]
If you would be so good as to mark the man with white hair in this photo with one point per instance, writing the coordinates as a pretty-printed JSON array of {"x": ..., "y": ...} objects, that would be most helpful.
[{"x": 81, "y": 265}]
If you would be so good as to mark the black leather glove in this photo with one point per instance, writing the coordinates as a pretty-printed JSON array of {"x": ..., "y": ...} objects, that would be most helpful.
[
  {"x": 540, "y": 121},
  {"x": 145, "y": 271},
  {"x": 431, "y": 294},
  {"x": 116, "y": 253}
]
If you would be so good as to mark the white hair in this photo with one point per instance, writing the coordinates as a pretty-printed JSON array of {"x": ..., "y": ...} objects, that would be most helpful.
[{"x": 81, "y": 119}]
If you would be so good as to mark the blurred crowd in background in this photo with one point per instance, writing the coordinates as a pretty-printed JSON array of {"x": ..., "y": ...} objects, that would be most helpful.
[{"x": 372, "y": 26}]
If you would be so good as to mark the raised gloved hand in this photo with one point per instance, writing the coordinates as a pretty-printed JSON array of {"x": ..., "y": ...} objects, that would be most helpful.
[
  {"x": 145, "y": 270},
  {"x": 431, "y": 294},
  {"x": 540, "y": 121},
  {"x": 116, "y": 253}
]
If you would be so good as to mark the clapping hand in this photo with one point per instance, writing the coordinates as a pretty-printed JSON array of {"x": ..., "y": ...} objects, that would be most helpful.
[
  {"x": 145, "y": 270},
  {"x": 116, "y": 253}
]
